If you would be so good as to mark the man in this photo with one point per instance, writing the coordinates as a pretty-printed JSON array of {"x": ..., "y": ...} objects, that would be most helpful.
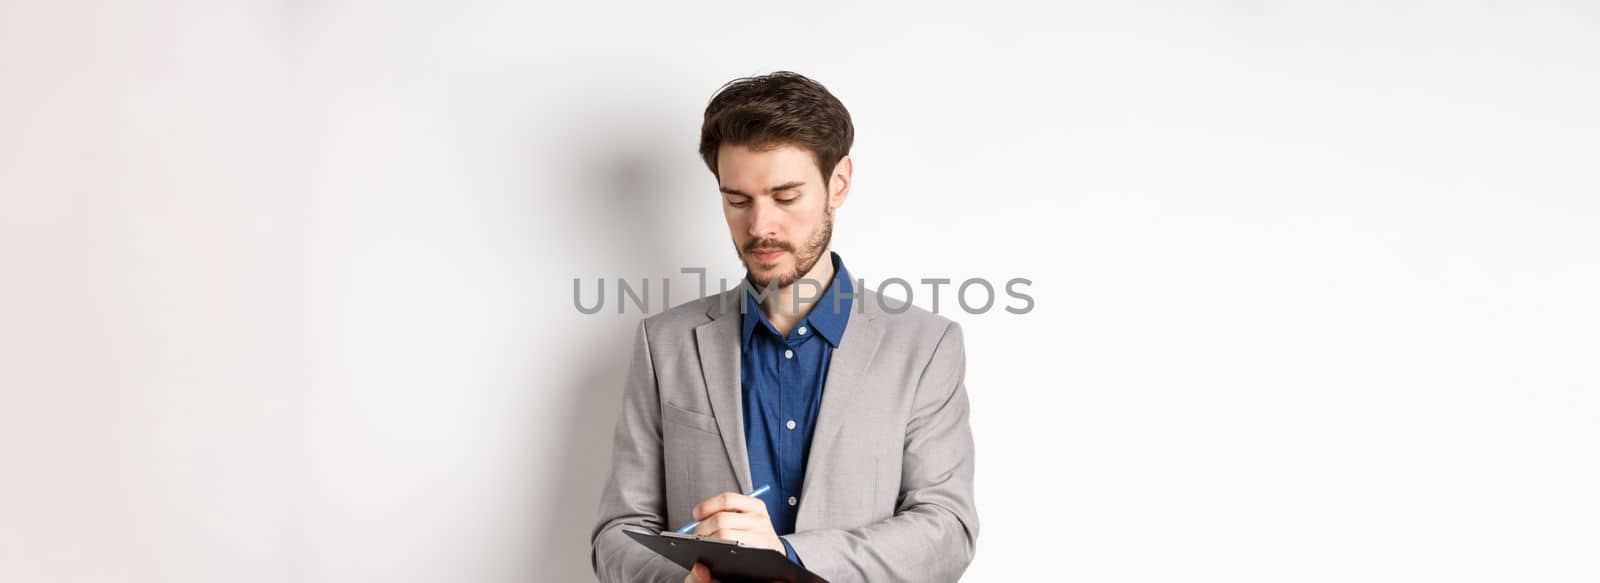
[{"x": 850, "y": 407}]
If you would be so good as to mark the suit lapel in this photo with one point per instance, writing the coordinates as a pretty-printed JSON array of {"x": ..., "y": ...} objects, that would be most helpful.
[
  {"x": 717, "y": 342},
  {"x": 840, "y": 391}
]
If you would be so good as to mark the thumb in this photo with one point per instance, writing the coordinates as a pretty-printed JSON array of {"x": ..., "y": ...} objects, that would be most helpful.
[{"x": 703, "y": 573}]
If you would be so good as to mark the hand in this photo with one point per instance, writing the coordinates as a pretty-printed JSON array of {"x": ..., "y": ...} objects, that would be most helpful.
[
  {"x": 736, "y": 517},
  {"x": 699, "y": 574}
]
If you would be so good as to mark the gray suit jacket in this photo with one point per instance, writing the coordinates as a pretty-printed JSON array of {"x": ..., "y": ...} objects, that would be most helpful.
[{"x": 888, "y": 487}]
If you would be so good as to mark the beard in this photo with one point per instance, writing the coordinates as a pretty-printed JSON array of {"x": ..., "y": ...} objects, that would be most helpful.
[{"x": 805, "y": 258}]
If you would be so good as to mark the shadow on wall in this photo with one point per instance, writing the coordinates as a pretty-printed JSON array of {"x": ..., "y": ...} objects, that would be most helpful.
[{"x": 630, "y": 213}]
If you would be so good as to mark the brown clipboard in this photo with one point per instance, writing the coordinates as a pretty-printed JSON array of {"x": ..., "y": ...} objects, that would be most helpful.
[{"x": 730, "y": 561}]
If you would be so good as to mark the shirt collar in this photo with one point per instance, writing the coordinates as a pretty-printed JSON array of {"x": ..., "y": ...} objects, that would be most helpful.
[{"x": 823, "y": 318}]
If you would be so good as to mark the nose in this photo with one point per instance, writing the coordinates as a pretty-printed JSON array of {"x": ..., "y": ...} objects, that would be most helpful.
[{"x": 763, "y": 219}]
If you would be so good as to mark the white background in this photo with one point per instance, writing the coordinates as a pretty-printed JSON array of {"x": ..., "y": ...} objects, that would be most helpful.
[{"x": 287, "y": 287}]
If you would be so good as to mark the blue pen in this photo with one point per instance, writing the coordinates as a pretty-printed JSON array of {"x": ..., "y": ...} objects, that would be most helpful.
[{"x": 688, "y": 528}]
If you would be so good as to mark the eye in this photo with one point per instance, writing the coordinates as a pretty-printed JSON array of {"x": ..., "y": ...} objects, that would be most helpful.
[
  {"x": 789, "y": 200},
  {"x": 738, "y": 203}
]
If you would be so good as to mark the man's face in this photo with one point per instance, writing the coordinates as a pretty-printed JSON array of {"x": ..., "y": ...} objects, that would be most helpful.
[{"x": 778, "y": 210}]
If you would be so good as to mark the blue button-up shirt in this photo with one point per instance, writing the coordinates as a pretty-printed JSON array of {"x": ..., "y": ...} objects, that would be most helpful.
[{"x": 782, "y": 378}]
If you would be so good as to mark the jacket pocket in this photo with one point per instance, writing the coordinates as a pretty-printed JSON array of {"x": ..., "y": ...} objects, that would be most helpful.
[{"x": 686, "y": 418}]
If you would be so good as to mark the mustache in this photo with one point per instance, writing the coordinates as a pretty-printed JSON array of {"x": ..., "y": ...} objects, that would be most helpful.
[{"x": 756, "y": 245}]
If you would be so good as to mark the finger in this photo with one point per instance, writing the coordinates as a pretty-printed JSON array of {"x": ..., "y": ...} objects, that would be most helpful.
[
  {"x": 719, "y": 503},
  {"x": 734, "y": 534},
  {"x": 726, "y": 501},
  {"x": 746, "y": 504},
  {"x": 712, "y": 505},
  {"x": 701, "y": 574},
  {"x": 722, "y": 521}
]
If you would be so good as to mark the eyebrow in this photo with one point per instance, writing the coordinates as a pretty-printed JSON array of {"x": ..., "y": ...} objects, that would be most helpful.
[{"x": 785, "y": 186}]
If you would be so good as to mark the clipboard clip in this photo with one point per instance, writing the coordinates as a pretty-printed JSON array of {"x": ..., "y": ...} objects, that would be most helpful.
[{"x": 669, "y": 534}]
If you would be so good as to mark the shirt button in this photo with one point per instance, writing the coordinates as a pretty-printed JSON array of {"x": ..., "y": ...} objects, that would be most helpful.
[
  {"x": 791, "y": 424},
  {"x": 788, "y": 354},
  {"x": 793, "y": 501},
  {"x": 802, "y": 330}
]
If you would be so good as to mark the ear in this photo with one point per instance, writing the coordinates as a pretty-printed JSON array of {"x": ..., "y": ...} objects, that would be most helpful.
[{"x": 839, "y": 183}]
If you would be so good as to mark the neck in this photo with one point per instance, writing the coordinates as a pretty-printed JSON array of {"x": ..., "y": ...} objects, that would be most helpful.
[{"x": 784, "y": 309}]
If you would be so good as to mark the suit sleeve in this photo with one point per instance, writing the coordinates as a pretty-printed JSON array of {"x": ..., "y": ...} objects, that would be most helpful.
[
  {"x": 934, "y": 531},
  {"x": 634, "y": 493}
]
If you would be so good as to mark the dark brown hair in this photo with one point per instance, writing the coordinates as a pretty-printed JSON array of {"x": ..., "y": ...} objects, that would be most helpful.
[{"x": 783, "y": 108}]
